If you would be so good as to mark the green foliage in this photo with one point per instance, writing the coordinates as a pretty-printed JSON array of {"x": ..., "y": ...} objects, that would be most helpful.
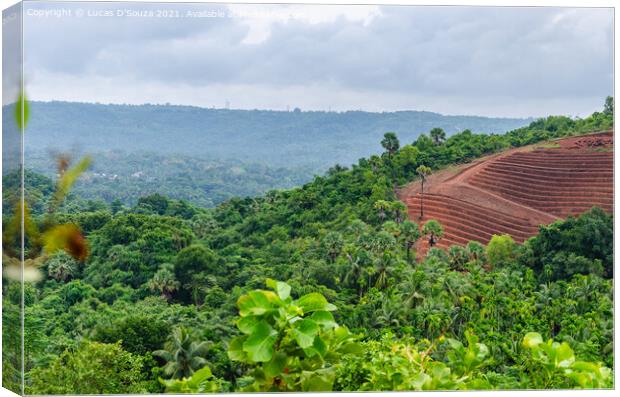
[
  {"x": 433, "y": 230},
  {"x": 393, "y": 365},
  {"x": 138, "y": 334},
  {"x": 293, "y": 345},
  {"x": 467, "y": 360},
  {"x": 320, "y": 137},
  {"x": 458, "y": 257},
  {"x": 192, "y": 266},
  {"x": 500, "y": 249},
  {"x": 183, "y": 354},
  {"x": 446, "y": 321},
  {"x": 438, "y": 135},
  {"x": 200, "y": 382},
  {"x": 423, "y": 171},
  {"x": 164, "y": 282},
  {"x": 62, "y": 267},
  {"x": 195, "y": 259},
  {"x": 552, "y": 365},
  {"x": 390, "y": 143},
  {"x": 577, "y": 245},
  {"x": 409, "y": 234},
  {"x": 94, "y": 368}
]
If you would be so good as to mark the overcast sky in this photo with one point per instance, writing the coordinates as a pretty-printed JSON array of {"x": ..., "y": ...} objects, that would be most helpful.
[{"x": 452, "y": 60}]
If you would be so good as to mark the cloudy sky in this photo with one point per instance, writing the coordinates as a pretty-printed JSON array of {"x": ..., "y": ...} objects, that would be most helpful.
[{"x": 452, "y": 60}]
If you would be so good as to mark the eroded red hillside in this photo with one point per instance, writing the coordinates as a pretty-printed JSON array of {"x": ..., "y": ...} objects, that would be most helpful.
[{"x": 515, "y": 191}]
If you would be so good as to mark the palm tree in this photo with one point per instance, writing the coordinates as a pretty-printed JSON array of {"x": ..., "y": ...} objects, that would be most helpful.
[
  {"x": 400, "y": 211},
  {"x": 381, "y": 242},
  {"x": 433, "y": 230},
  {"x": 383, "y": 268},
  {"x": 438, "y": 135},
  {"x": 333, "y": 244},
  {"x": 61, "y": 267},
  {"x": 476, "y": 251},
  {"x": 424, "y": 172},
  {"x": 390, "y": 143},
  {"x": 390, "y": 313},
  {"x": 358, "y": 259},
  {"x": 382, "y": 207},
  {"x": 198, "y": 286},
  {"x": 165, "y": 283},
  {"x": 183, "y": 354},
  {"x": 357, "y": 228},
  {"x": 392, "y": 228},
  {"x": 409, "y": 234}
]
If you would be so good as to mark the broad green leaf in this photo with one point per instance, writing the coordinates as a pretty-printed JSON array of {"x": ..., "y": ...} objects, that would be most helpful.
[
  {"x": 319, "y": 380},
  {"x": 304, "y": 332},
  {"x": 351, "y": 348},
  {"x": 532, "y": 339},
  {"x": 256, "y": 303},
  {"x": 564, "y": 355},
  {"x": 420, "y": 380},
  {"x": 343, "y": 335},
  {"x": 282, "y": 289},
  {"x": 324, "y": 319},
  {"x": 247, "y": 324},
  {"x": 313, "y": 302},
  {"x": 259, "y": 345},
  {"x": 22, "y": 112},
  {"x": 203, "y": 374},
  {"x": 320, "y": 346},
  {"x": 483, "y": 351},
  {"x": 235, "y": 349},
  {"x": 455, "y": 344},
  {"x": 276, "y": 365}
]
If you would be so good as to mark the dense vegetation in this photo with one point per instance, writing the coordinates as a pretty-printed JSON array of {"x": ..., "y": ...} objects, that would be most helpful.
[
  {"x": 127, "y": 176},
  {"x": 274, "y": 138},
  {"x": 316, "y": 288}
]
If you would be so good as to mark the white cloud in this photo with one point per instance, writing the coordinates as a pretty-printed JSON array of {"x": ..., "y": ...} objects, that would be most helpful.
[{"x": 457, "y": 60}]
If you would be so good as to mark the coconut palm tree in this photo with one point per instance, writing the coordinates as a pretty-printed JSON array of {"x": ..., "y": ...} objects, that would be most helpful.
[
  {"x": 384, "y": 267},
  {"x": 165, "y": 283},
  {"x": 183, "y": 354}
]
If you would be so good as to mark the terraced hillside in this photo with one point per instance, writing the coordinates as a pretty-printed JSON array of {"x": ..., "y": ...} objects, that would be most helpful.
[{"x": 515, "y": 191}]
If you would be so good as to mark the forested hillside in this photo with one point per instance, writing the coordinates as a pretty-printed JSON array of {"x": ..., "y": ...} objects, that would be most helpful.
[
  {"x": 314, "y": 288},
  {"x": 274, "y": 138},
  {"x": 126, "y": 176}
]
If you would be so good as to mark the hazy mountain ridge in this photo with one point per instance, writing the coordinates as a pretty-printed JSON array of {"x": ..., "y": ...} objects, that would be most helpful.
[{"x": 278, "y": 138}]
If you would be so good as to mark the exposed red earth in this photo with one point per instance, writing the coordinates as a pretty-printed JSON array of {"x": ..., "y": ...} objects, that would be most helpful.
[{"x": 515, "y": 191}]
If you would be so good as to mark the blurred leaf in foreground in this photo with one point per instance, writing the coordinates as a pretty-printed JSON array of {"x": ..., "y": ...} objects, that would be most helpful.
[
  {"x": 22, "y": 111},
  {"x": 66, "y": 237},
  {"x": 67, "y": 180}
]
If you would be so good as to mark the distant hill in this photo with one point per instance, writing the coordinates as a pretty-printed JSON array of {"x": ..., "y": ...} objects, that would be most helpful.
[{"x": 276, "y": 138}]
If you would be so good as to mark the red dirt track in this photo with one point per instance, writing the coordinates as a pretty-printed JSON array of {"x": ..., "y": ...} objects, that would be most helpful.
[{"x": 515, "y": 191}]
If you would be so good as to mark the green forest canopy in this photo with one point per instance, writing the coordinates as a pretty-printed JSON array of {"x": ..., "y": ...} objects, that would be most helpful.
[
  {"x": 181, "y": 298},
  {"x": 274, "y": 138}
]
